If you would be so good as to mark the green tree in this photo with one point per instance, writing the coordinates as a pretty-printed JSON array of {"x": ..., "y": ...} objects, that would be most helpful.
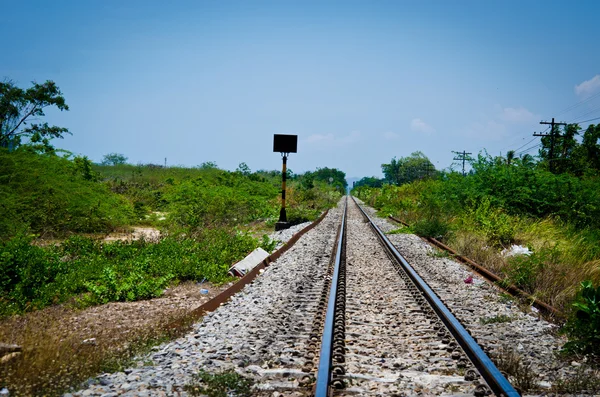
[
  {"x": 591, "y": 147},
  {"x": 408, "y": 169},
  {"x": 369, "y": 181},
  {"x": 510, "y": 156},
  {"x": 244, "y": 169},
  {"x": 114, "y": 159},
  {"x": 208, "y": 165},
  {"x": 18, "y": 107},
  {"x": 560, "y": 159}
]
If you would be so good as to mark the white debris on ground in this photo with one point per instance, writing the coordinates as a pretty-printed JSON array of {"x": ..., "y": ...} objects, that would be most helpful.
[
  {"x": 515, "y": 250},
  {"x": 147, "y": 233},
  {"x": 249, "y": 262}
]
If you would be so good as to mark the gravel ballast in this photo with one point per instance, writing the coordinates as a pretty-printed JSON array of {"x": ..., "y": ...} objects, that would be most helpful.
[{"x": 261, "y": 332}]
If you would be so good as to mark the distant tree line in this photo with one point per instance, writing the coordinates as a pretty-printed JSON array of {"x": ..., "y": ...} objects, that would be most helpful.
[
  {"x": 402, "y": 170},
  {"x": 330, "y": 176}
]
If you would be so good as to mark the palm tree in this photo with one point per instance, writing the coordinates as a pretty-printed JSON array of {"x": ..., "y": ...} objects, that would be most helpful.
[{"x": 510, "y": 156}]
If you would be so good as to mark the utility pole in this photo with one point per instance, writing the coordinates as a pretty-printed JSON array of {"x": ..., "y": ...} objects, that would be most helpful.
[
  {"x": 462, "y": 156},
  {"x": 552, "y": 135}
]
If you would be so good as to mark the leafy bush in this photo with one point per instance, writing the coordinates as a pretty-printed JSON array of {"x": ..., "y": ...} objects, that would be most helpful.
[
  {"x": 584, "y": 327},
  {"x": 26, "y": 272},
  {"x": 33, "y": 277},
  {"x": 494, "y": 223},
  {"x": 433, "y": 227},
  {"x": 49, "y": 195}
]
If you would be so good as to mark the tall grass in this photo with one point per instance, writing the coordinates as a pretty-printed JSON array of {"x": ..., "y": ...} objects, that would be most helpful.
[{"x": 565, "y": 253}]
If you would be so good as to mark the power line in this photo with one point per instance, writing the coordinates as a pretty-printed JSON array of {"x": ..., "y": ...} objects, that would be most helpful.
[
  {"x": 586, "y": 113},
  {"x": 578, "y": 104},
  {"x": 513, "y": 143},
  {"x": 528, "y": 149},
  {"x": 585, "y": 121},
  {"x": 525, "y": 144}
]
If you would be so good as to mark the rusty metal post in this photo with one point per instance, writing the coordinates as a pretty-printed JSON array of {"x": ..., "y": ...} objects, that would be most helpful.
[{"x": 282, "y": 213}]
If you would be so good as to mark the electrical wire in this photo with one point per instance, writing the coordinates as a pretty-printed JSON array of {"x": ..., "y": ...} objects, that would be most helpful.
[
  {"x": 568, "y": 109},
  {"x": 585, "y": 121},
  {"x": 534, "y": 138},
  {"x": 513, "y": 143},
  {"x": 528, "y": 149},
  {"x": 586, "y": 114}
]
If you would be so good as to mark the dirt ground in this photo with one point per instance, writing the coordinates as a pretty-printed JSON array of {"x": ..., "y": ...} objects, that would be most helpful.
[
  {"x": 110, "y": 321},
  {"x": 62, "y": 345}
]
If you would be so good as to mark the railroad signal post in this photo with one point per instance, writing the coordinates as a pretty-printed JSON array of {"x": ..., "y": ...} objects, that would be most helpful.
[{"x": 284, "y": 144}]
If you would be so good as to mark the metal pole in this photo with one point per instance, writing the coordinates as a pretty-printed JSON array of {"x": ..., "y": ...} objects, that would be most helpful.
[{"x": 282, "y": 214}]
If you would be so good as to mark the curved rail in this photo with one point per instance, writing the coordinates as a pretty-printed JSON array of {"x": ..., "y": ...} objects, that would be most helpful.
[
  {"x": 492, "y": 375},
  {"x": 325, "y": 359}
]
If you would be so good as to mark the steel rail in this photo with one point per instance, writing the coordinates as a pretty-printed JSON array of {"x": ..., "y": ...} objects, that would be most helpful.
[
  {"x": 550, "y": 311},
  {"x": 492, "y": 375},
  {"x": 325, "y": 359}
]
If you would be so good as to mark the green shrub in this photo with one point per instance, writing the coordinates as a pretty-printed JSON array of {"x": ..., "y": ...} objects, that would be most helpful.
[
  {"x": 524, "y": 270},
  {"x": 33, "y": 277},
  {"x": 433, "y": 227},
  {"x": 50, "y": 195},
  {"x": 26, "y": 272},
  {"x": 134, "y": 285},
  {"x": 584, "y": 327},
  {"x": 494, "y": 223},
  {"x": 267, "y": 244}
]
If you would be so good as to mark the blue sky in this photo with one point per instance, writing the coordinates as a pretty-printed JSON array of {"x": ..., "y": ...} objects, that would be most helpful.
[{"x": 358, "y": 81}]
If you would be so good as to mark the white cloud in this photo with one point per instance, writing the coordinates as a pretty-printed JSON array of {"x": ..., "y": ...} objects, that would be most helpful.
[
  {"x": 389, "y": 135},
  {"x": 492, "y": 130},
  {"x": 319, "y": 138},
  {"x": 418, "y": 125},
  {"x": 330, "y": 139},
  {"x": 588, "y": 87},
  {"x": 518, "y": 115}
]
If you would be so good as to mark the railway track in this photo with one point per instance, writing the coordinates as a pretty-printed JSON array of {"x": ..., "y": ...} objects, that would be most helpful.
[
  {"x": 379, "y": 330},
  {"x": 381, "y": 336},
  {"x": 394, "y": 323}
]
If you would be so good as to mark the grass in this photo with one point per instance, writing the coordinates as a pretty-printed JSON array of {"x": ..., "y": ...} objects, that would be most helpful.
[
  {"x": 224, "y": 384},
  {"x": 438, "y": 253},
  {"x": 501, "y": 318},
  {"x": 54, "y": 360},
  {"x": 401, "y": 230},
  {"x": 518, "y": 371},
  {"x": 585, "y": 381},
  {"x": 562, "y": 259}
]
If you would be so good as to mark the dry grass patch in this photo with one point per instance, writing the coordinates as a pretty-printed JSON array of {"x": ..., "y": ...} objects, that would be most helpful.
[{"x": 62, "y": 347}]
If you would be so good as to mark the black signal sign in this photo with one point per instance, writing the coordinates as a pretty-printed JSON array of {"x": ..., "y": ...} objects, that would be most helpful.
[{"x": 285, "y": 143}]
